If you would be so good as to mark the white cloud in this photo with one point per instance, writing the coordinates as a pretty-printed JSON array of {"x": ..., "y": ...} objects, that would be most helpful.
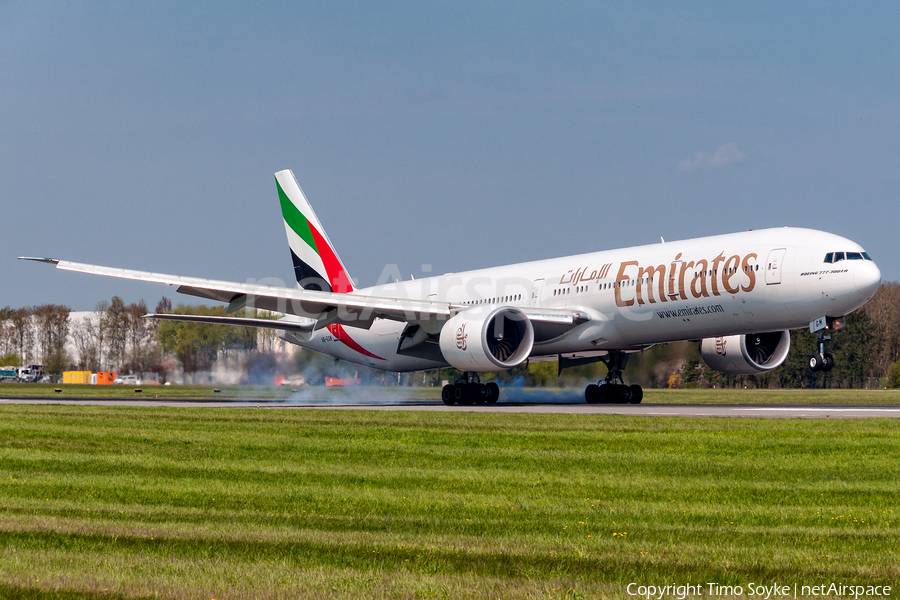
[{"x": 727, "y": 153}]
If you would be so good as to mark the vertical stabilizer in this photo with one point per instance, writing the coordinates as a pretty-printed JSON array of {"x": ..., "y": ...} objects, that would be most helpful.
[{"x": 316, "y": 264}]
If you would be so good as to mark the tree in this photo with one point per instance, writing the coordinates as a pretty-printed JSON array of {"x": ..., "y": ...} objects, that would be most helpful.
[
  {"x": 97, "y": 327},
  {"x": 893, "y": 375},
  {"x": 84, "y": 340},
  {"x": 7, "y": 332},
  {"x": 884, "y": 312},
  {"x": 51, "y": 324},
  {"x": 23, "y": 334},
  {"x": 197, "y": 345},
  {"x": 10, "y": 360},
  {"x": 143, "y": 350},
  {"x": 163, "y": 306},
  {"x": 116, "y": 326}
]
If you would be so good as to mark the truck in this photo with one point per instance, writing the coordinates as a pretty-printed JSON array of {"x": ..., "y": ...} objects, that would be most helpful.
[
  {"x": 30, "y": 374},
  {"x": 9, "y": 374}
]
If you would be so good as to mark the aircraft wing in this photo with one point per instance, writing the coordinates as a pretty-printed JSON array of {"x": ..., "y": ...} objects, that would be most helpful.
[{"x": 323, "y": 308}]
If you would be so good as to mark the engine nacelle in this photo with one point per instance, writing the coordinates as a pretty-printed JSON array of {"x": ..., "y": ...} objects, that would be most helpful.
[
  {"x": 746, "y": 354},
  {"x": 485, "y": 339}
]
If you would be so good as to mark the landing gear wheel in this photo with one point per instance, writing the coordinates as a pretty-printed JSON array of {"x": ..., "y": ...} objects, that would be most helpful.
[
  {"x": 829, "y": 363},
  {"x": 816, "y": 362},
  {"x": 590, "y": 393},
  {"x": 493, "y": 392},
  {"x": 476, "y": 393},
  {"x": 459, "y": 394},
  {"x": 602, "y": 394},
  {"x": 447, "y": 395},
  {"x": 637, "y": 394},
  {"x": 623, "y": 394}
]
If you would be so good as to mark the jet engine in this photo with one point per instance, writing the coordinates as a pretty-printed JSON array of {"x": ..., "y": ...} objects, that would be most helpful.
[
  {"x": 746, "y": 354},
  {"x": 485, "y": 339}
]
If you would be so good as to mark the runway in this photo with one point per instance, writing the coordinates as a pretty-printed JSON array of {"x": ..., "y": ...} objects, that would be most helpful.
[{"x": 769, "y": 411}]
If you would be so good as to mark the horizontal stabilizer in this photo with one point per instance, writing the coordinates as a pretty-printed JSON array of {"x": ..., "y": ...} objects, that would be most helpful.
[{"x": 242, "y": 321}]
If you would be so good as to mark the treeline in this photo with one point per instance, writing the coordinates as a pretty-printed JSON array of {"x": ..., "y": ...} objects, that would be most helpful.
[{"x": 115, "y": 337}]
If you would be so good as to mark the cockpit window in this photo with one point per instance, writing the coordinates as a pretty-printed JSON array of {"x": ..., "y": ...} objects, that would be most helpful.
[{"x": 833, "y": 257}]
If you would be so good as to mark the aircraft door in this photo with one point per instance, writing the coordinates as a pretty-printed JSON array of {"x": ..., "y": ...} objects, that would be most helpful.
[
  {"x": 673, "y": 283},
  {"x": 774, "y": 265},
  {"x": 537, "y": 289}
]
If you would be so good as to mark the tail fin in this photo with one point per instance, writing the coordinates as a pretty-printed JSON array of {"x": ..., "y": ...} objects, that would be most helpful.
[{"x": 316, "y": 264}]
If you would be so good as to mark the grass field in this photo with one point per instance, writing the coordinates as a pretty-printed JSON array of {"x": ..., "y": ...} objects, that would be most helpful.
[
  {"x": 103, "y": 502},
  {"x": 247, "y": 393}
]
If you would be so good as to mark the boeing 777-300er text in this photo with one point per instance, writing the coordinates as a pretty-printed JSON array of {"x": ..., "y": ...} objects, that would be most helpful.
[{"x": 739, "y": 294}]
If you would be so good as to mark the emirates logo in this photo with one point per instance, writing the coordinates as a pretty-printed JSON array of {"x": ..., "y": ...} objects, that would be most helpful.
[
  {"x": 461, "y": 336},
  {"x": 720, "y": 346}
]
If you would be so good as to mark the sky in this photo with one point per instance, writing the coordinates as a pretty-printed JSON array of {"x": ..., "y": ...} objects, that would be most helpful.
[{"x": 458, "y": 135}]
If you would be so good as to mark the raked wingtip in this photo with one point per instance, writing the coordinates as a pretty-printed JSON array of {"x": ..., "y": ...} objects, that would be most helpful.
[{"x": 52, "y": 261}]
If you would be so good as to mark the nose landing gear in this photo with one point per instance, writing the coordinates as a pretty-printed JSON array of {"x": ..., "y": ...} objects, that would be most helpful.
[
  {"x": 821, "y": 360},
  {"x": 610, "y": 392}
]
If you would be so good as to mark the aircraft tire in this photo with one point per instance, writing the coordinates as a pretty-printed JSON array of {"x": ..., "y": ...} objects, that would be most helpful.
[
  {"x": 477, "y": 393},
  {"x": 590, "y": 393},
  {"x": 828, "y": 363},
  {"x": 493, "y": 392},
  {"x": 637, "y": 394},
  {"x": 816, "y": 362},
  {"x": 459, "y": 395},
  {"x": 602, "y": 395},
  {"x": 447, "y": 395}
]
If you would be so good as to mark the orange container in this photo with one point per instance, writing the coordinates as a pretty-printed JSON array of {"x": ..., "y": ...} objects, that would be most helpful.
[{"x": 106, "y": 377}]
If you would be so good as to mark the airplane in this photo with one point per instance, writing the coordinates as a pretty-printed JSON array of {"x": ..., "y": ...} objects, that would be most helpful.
[{"x": 740, "y": 294}]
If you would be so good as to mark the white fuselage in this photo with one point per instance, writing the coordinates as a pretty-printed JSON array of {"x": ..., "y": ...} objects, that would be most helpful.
[{"x": 739, "y": 283}]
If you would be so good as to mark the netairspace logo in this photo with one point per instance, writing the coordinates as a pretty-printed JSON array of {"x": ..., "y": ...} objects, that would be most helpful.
[{"x": 756, "y": 590}]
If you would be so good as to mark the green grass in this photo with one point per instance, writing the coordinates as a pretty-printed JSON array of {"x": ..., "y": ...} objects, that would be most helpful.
[
  {"x": 256, "y": 394},
  {"x": 775, "y": 396},
  {"x": 104, "y": 502}
]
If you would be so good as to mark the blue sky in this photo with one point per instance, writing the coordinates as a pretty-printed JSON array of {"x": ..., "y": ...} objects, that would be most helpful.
[{"x": 460, "y": 135}]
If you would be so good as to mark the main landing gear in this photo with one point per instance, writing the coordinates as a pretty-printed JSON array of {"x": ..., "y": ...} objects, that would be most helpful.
[
  {"x": 821, "y": 360},
  {"x": 469, "y": 390},
  {"x": 610, "y": 392}
]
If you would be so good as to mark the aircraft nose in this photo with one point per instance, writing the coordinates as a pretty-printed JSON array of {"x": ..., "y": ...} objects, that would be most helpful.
[{"x": 867, "y": 278}]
